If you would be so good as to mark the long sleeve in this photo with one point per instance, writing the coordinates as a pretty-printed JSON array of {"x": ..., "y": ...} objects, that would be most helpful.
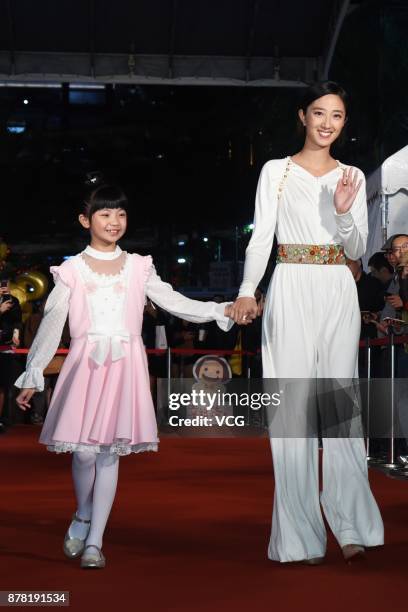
[
  {"x": 260, "y": 246},
  {"x": 47, "y": 338},
  {"x": 352, "y": 226},
  {"x": 163, "y": 295}
]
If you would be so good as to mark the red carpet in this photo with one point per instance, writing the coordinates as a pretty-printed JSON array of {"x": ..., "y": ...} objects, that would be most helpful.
[{"x": 188, "y": 531}]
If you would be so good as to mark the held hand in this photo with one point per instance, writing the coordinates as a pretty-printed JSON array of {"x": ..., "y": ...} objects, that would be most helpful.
[
  {"x": 5, "y": 306},
  {"x": 395, "y": 301},
  {"x": 228, "y": 312},
  {"x": 24, "y": 397},
  {"x": 244, "y": 310},
  {"x": 346, "y": 191}
]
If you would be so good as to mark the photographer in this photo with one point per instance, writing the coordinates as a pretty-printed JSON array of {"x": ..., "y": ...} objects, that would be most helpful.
[
  {"x": 10, "y": 326},
  {"x": 397, "y": 305},
  {"x": 400, "y": 301},
  {"x": 370, "y": 293},
  {"x": 381, "y": 269}
]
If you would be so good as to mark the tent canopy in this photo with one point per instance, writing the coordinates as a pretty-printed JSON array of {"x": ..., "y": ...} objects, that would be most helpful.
[
  {"x": 387, "y": 195},
  {"x": 223, "y": 42},
  {"x": 390, "y": 177}
]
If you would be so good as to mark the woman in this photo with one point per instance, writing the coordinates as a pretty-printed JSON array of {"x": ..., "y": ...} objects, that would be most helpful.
[{"x": 311, "y": 328}]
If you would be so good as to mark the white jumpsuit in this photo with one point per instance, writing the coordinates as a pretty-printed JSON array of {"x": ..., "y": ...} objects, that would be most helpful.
[{"x": 311, "y": 328}]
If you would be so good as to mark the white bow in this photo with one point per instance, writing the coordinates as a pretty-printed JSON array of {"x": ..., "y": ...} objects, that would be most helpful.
[{"x": 105, "y": 341}]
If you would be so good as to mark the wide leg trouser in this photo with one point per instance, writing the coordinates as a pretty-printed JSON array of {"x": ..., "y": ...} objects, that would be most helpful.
[
  {"x": 298, "y": 530},
  {"x": 312, "y": 335}
]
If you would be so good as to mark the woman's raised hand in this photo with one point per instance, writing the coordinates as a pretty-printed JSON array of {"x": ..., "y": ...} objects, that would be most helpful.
[
  {"x": 24, "y": 397},
  {"x": 346, "y": 190},
  {"x": 244, "y": 310}
]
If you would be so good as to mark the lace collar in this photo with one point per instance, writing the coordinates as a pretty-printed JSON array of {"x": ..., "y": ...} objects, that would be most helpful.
[
  {"x": 102, "y": 254},
  {"x": 101, "y": 279}
]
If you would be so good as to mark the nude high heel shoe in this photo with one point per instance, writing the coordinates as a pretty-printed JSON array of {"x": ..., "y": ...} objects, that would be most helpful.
[{"x": 353, "y": 552}]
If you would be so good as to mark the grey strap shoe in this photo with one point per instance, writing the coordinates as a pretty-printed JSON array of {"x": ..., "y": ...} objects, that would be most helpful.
[
  {"x": 74, "y": 547},
  {"x": 93, "y": 559}
]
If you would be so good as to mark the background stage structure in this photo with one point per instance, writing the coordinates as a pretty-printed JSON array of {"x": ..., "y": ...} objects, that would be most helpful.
[
  {"x": 387, "y": 196},
  {"x": 171, "y": 42}
]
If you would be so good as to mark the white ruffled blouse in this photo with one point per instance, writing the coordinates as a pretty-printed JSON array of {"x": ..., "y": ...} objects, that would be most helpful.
[{"x": 106, "y": 309}]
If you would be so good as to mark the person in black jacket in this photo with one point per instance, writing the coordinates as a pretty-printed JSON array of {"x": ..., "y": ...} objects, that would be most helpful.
[
  {"x": 381, "y": 269},
  {"x": 10, "y": 320},
  {"x": 371, "y": 293},
  {"x": 399, "y": 249}
]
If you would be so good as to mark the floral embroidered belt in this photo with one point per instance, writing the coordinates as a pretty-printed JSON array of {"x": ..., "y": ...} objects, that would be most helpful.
[{"x": 311, "y": 254}]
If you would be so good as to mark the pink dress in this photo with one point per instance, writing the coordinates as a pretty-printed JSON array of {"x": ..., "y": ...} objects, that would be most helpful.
[{"x": 102, "y": 400}]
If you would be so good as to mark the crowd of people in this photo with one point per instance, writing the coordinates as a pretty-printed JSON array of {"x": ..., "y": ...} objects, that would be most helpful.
[{"x": 383, "y": 300}]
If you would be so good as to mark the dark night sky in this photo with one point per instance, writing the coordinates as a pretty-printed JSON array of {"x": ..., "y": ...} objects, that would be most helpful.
[{"x": 184, "y": 153}]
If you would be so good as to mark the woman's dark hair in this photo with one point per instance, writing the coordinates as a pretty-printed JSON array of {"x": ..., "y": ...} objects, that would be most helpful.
[
  {"x": 100, "y": 194},
  {"x": 317, "y": 90}
]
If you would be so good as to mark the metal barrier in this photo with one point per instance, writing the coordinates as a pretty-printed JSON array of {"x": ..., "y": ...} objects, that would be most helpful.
[
  {"x": 367, "y": 344},
  {"x": 368, "y": 354},
  {"x": 390, "y": 342},
  {"x": 164, "y": 352}
]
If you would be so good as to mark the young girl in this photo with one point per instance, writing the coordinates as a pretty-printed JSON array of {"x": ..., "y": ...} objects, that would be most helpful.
[
  {"x": 101, "y": 407},
  {"x": 311, "y": 328}
]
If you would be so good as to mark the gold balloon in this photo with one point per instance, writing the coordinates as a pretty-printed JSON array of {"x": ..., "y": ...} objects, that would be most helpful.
[
  {"x": 18, "y": 292},
  {"x": 28, "y": 287},
  {"x": 35, "y": 284}
]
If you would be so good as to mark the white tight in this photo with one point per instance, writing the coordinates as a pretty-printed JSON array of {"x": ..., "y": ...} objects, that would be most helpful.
[{"x": 95, "y": 477}]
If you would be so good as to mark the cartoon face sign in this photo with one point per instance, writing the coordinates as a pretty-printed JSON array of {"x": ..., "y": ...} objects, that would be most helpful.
[{"x": 212, "y": 369}]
